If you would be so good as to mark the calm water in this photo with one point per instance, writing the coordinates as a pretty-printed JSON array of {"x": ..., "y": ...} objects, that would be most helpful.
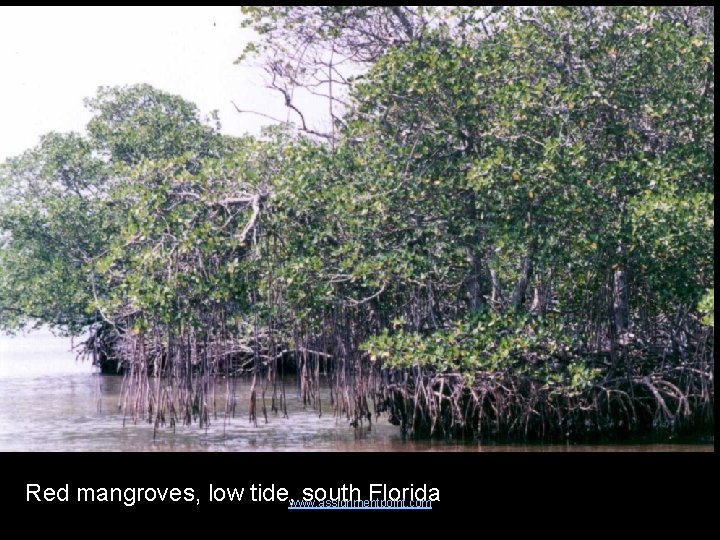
[{"x": 50, "y": 402}]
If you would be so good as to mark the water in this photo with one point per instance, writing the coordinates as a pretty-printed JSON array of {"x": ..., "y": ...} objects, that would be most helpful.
[{"x": 51, "y": 402}]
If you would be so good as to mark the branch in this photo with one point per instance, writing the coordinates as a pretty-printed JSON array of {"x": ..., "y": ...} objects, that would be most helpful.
[
  {"x": 354, "y": 302},
  {"x": 230, "y": 201},
  {"x": 291, "y": 106},
  {"x": 403, "y": 20},
  {"x": 253, "y": 218},
  {"x": 243, "y": 111}
]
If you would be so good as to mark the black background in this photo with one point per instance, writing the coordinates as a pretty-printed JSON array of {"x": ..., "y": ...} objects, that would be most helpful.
[{"x": 565, "y": 494}]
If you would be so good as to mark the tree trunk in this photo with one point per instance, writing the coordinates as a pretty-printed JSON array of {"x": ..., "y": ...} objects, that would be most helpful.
[
  {"x": 473, "y": 245},
  {"x": 518, "y": 294},
  {"x": 474, "y": 292},
  {"x": 621, "y": 311},
  {"x": 541, "y": 294},
  {"x": 496, "y": 295}
]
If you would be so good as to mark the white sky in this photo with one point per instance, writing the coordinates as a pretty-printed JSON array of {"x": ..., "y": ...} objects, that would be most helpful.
[{"x": 51, "y": 58}]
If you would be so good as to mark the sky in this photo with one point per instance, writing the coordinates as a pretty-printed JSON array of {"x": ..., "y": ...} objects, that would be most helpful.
[{"x": 52, "y": 58}]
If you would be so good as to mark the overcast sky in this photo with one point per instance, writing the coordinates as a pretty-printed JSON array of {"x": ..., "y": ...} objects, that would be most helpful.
[{"x": 51, "y": 58}]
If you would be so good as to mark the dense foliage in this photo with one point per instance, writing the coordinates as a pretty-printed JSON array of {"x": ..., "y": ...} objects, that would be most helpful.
[{"x": 508, "y": 229}]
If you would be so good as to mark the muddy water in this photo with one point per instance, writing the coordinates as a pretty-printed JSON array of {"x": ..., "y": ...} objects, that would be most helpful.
[{"x": 50, "y": 402}]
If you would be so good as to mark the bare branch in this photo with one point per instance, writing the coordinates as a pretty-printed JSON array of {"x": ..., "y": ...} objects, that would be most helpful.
[
  {"x": 353, "y": 302},
  {"x": 397, "y": 11},
  {"x": 243, "y": 111}
]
